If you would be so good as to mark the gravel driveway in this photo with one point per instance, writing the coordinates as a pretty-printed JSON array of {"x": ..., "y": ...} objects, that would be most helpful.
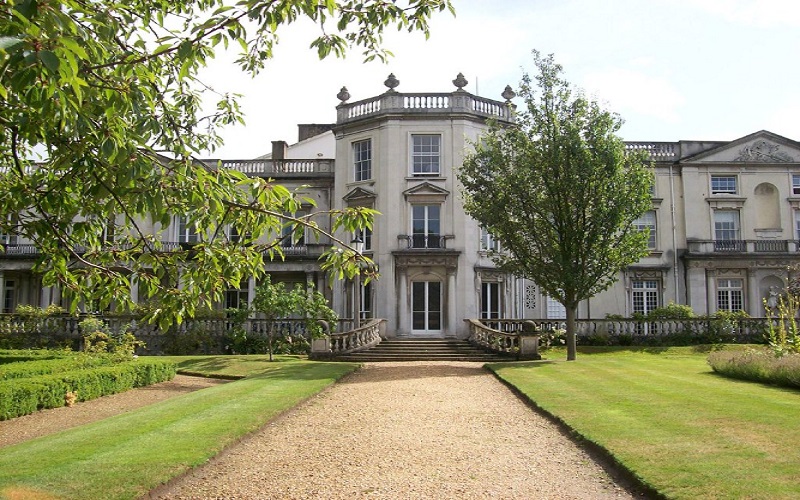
[{"x": 405, "y": 430}]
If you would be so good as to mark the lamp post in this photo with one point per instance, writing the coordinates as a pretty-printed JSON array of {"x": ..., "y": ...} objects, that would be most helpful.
[{"x": 358, "y": 246}]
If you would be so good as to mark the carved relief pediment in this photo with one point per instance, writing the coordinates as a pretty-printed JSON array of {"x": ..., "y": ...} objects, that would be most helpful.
[{"x": 761, "y": 147}]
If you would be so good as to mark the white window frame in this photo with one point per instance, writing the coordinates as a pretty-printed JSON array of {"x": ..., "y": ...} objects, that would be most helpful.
[
  {"x": 491, "y": 300},
  {"x": 648, "y": 220},
  {"x": 427, "y": 221},
  {"x": 796, "y": 184},
  {"x": 645, "y": 295},
  {"x": 423, "y": 154},
  {"x": 555, "y": 310},
  {"x": 724, "y": 229},
  {"x": 362, "y": 160},
  {"x": 723, "y": 186},
  {"x": 186, "y": 231},
  {"x": 797, "y": 224},
  {"x": 242, "y": 296},
  {"x": 365, "y": 234},
  {"x": 730, "y": 294},
  {"x": 488, "y": 242}
]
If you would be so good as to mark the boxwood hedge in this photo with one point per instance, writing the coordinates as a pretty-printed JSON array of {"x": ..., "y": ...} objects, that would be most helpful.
[{"x": 22, "y": 396}]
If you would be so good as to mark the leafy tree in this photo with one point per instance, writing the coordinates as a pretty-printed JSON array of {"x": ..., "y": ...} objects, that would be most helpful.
[
  {"x": 106, "y": 96},
  {"x": 560, "y": 193},
  {"x": 274, "y": 302}
]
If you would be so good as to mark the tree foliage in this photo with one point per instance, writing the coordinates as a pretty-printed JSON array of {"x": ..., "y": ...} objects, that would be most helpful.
[
  {"x": 107, "y": 94},
  {"x": 559, "y": 192},
  {"x": 274, "y": 302}
]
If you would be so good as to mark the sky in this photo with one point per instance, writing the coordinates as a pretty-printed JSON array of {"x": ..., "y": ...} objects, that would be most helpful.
[{"x": 673, "y": 69}]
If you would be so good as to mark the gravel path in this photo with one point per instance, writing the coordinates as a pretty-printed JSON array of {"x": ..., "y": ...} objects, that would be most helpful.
[
  {"x": 54, "y": 420},
  {"x": 405, "y": 430}
]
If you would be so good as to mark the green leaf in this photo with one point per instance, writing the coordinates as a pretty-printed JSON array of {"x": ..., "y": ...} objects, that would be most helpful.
[
  {"x": 8, "y": 43},
  {"x": 50, "y": 60}
]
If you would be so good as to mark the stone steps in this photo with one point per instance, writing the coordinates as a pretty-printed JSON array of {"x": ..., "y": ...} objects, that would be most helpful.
[{"x": 423, "y": 350}]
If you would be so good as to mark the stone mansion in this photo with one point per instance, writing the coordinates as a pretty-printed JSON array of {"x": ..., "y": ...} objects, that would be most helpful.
[{"x": 724, "y": 224}]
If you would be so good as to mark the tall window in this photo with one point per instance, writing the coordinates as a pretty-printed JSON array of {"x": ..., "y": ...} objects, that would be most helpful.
[
  {"x": 730, "y": 295},
  {"x": 362, "y": 154},
  {"x": 645, "y": 222},
  {"x": 490, "y": 300},
  {"x": 797, "y": 224},
  {"x": 723, "y": 184},
  {"x": 7, "y": 237},
  {"x": 726, "y": 225},
  {"x": 488, "y": 243},
  {"x": 365, "y": 310},
  {"x": 9, "y": 296},
  {"x": 425, "y": 229},
  {"x": 796, "y": 184},
  {"x": 645, "y": 295},
  {"x": 289, "y": 237},
  {"x": 366, "y": 237},
  {"x": 425, "y": 154},
  {"x": 555, "y": 310},
  {"x": 236, "y": 298},
  {"x": 187, "y": 232},
  {"x": 232, "y": 234}
]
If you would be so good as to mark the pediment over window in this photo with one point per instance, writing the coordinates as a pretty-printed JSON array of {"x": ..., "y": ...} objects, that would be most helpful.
[
  {"x": 426, "y": 192},
  {"x": 360, "y": 196},
  {"x": 760, "y": 147}
]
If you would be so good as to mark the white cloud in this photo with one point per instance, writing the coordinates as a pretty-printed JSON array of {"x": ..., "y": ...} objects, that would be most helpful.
[
  {"x": 631, "y": 91},
  {"x": 758, "y": 13}
]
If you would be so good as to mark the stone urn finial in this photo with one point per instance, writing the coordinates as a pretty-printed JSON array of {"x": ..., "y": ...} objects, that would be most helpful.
[
  {"x": 391, "y": 82},
  {"x": 460, "y": 82},
  {"x": 343, "y": 95},
  {"x": 508, "y": 94}
]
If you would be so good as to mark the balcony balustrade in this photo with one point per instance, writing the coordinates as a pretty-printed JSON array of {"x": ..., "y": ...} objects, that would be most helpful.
[
  {"x": 663, "y": 151},
  {"x": 277, "y": 168},
  {"x": 743, "y": 246},
  {"x": 423, "y": 241},
  {"x": 424, "y": 103}
]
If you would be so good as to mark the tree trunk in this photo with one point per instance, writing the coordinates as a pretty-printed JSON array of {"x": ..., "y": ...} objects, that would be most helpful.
[{"x": 572, "y": 311}]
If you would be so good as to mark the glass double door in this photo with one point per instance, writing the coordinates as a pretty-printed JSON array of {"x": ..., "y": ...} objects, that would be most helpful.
[{"x": 426, "y": 307}]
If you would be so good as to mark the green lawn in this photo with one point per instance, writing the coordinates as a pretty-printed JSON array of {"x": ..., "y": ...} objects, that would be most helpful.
[
  {"x": 128, "y": 455},
  {"x": 667, "y": 418}
]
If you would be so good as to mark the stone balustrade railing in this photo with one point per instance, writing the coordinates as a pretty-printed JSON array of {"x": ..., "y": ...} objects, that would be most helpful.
[
  {"x": 209, "y": 335},
  {"x": 743, "y": 246},
  {"x": 357, "y": 339},
  {"x": 522, "y": 342},
  {"x": 643, "y": 332},
  {"x": 276, "y": 168},
  {"x": 656, "y": 150},
  {"x": 424, "y": 103}
]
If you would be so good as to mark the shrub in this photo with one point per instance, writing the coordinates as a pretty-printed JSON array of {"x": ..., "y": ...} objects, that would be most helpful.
[
  {"x": 97, "y": 338},
  {"x": 758, "y": 366},
  {"x": 671, "y": 311},
  {"x": 27, "y": 369}
]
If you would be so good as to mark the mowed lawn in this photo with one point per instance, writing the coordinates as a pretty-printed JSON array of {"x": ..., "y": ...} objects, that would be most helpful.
[
  {"x": 666, "y": 417},
  {"x": 127, "y": 455}
]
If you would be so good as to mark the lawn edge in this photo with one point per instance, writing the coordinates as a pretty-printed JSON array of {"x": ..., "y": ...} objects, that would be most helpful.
[
  {"x": 166, "y": 487},
  {"x": 626, "y": 478}
]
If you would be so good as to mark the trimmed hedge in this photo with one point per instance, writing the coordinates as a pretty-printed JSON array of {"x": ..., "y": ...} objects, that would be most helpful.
[
  {"x": 24, "y": 396},
  {"x": 15, "y": 355},
  {"x": 40, "y": 366}
]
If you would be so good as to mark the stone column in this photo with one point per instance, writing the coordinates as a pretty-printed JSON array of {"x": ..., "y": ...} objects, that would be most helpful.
[
  {"x": 755, "y": 305},
  {"x": 451, "y": 324},
  {"x": 251, "y": 290},
  {"x": 402, "y": 299},
  {"x": 711, "y": 302},
  {"x": 3, "y": 292}
]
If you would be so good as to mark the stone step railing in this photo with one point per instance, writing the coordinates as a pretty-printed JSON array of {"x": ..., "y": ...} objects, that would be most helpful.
[
  {"x": 357, "y": 339},
  {"x": 522, "y": 343}
]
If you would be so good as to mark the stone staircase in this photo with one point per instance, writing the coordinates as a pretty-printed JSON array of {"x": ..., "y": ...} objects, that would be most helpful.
[{"x": 423, "y": 350}]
